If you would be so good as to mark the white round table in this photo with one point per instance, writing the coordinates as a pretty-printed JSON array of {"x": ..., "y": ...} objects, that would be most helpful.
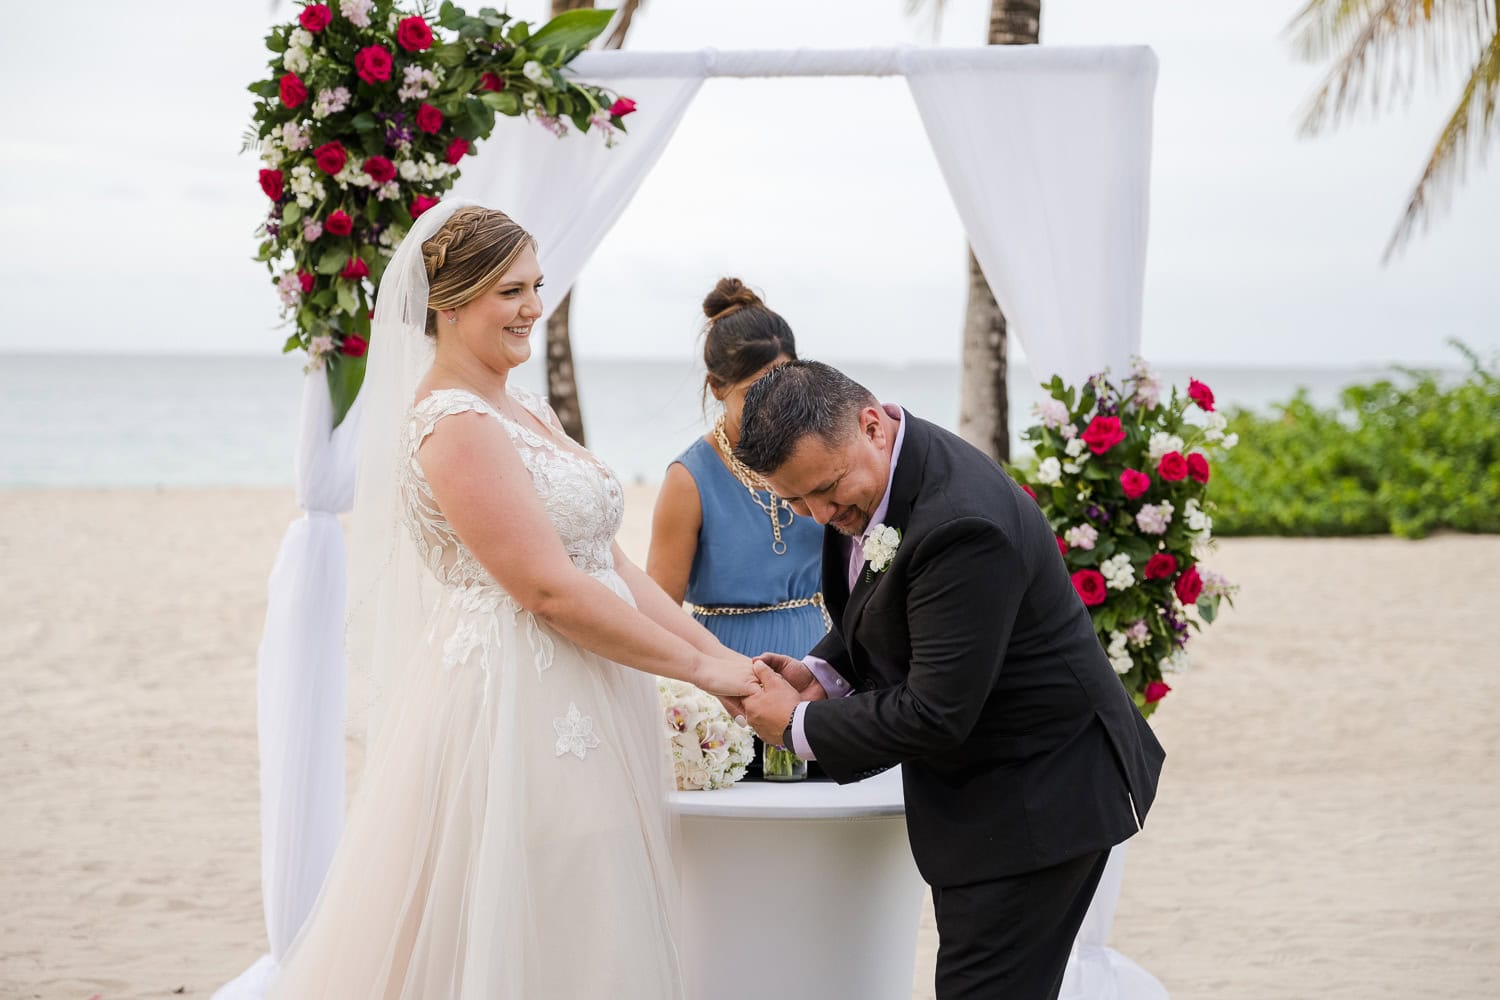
[{"x": 799, "y": 890}]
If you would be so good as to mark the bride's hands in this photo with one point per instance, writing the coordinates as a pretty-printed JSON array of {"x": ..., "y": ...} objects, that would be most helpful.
[{"x": 727, "y": 676}]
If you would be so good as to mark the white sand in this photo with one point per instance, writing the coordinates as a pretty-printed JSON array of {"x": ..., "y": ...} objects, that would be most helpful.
[{"x": 1326, "y": 828}]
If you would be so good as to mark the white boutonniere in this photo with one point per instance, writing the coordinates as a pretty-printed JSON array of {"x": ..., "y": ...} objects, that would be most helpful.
[{"x": 880, "y": 547}]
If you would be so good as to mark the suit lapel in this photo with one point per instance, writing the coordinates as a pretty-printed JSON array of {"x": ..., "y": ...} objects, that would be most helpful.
[
  {"x": 904, "y": 487},
  {"x": 835, "y": 574}
]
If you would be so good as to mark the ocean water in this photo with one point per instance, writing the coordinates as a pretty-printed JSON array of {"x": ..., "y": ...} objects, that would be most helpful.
[{"x": 139, "y": 421}]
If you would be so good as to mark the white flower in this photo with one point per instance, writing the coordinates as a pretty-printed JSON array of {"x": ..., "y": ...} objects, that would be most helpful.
[
  {"x": 528, "y": 99},
  {"x": 391, "y": 237},
  {"x": 1072, "y": 468},
  {"x": 708, "y": 750},
  {"x": 1082, "y": 536},
  {"x": 1196, "y": 519},
  {"x": 1117, "y": 572},
  {"x": 1119, "y": 655},
  {"x": 534, "y": 72},
  {"x": 1175, "y": 663},
  {"x": 1051, "y": 412},
  {"x": 330, "y": 102},
  {"x": 1217, "y": 585},
  {"x": 1068, "y": 431},
  {"x": 1230, "y": 441},
  {"x": 1077, "y": 447},
  {"x": 296, "y": 60},
  {"x": 1153, "y": 519},
  {"x": 388, "y": 191},
  {"x": 1049, "y": 472},
  {"x": 881, "y": 543},
  {"x": 1161, "y": 443},
  {"x": 418, "y": 83},
  {"x": 1213, "y": 426},
  {"x": 357, "y": 11},
  {"x": 300, "y": 38},
  {"x": 293, "y": 137},
  {"x": 1138, "y": 633}
]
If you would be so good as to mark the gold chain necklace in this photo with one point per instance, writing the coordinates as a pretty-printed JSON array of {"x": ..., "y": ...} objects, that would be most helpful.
[{"x": 773, "y": 505}]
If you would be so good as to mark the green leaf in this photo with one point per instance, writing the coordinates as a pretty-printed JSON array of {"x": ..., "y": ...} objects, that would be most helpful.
[
  {"x": 1208, "y": 608},
  {"x": 348, "y": 301},
  {"x": 265, "y": 88},
  {"x": 483, "y": 117},
  {"x": 449, "y": 16},
  {"x": 292, "y": 343},
  {"x": 291, "y": 213},
  {"x": 332, "y": 261},
  {"x": 504, "y": 101},
  {"x": 572, "y": 30},
  {"x": 345, "y": 376},
  {"x": 518, "y": 33},
  {"x": 276, "y": 41},
  {"x": 364, "y": 121},
  {"x": 451, "y": 55}
]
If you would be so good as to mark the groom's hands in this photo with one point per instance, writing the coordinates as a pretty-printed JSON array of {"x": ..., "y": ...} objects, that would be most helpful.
[
  {"x": 770, "y": 710},
  {"x": 796, "y": 674}
]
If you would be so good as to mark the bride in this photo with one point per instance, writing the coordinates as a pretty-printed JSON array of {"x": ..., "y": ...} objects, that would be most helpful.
[{"x": 510, "y": 837}]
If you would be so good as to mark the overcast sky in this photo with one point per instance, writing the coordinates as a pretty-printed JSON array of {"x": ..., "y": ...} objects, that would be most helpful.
[{"x": 129, "y": 214}]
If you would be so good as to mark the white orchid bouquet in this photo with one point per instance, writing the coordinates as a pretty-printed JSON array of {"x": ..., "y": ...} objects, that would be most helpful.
[{"x": 708, "y": 749}]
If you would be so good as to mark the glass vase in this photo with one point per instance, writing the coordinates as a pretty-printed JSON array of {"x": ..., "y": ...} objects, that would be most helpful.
[{"x": 778, "y": 764}]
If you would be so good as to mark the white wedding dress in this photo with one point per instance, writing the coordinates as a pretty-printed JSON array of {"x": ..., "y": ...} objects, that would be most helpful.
[{"x": 510, "y": 838}]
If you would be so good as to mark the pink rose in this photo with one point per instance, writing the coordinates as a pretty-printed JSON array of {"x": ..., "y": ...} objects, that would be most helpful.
[
  {"x": 373, "y": 64},
  {"x": 293, "y": 90},
  {"x": 1090, "y": 586},
  {"x": 339, "y": 223},
  {"x": 621, "y": 107},
  {"x": 421, "y": 203},
  {"x": 1029, "y": 491},
  {"x": 1197, "y": 467},
  {"x": 1156, "y": 691},
  {"x": 429, "y": 118},
  {"x": 1189, "y": 585},
  {"x": 413, "y": 34},
  {"x": 1161, "y": 566},
  {"x": 330, "y": 157},
  {"x": 1062, "y": 546},
  {"x": 306, "y": 279},
  {"x": 1134, "y": 483},
  {"x": 491, "y": 81},
  {"x": 1201, "y": 394},
  {"x": 315, "y": 18},
  {"x": 354, "y": 345},
  {"x": 355, "y": 269},
  {"x": 1102, "y": 434},
  {"x": 457, "y": 149},
  {"x": 1172, "y": 467},
  {"x": 272, "y": 183},
  {"x": 380, "y": 169}
]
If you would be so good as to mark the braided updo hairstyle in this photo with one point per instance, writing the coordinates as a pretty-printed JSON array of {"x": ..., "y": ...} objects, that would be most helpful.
[
  {"x": 467, "y": 255},
  {"x": 742, "y": 336}
]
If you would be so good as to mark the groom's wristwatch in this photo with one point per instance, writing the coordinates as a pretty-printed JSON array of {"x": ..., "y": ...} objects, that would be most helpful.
[{"x": 786, "y": 734}]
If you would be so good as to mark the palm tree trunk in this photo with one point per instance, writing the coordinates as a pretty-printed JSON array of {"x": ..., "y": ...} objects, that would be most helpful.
[
  {"x": 984, "y": 403},
  {"x": 562, "y": 382}
]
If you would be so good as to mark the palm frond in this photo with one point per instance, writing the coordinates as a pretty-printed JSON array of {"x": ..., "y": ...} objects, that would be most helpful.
[
  {"x": 1379, "y": 48},
  {"x": 623, "y": 16},
  {"x": 1464, "y": 137}
]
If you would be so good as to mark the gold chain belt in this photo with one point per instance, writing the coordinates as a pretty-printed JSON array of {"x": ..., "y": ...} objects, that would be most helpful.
[{"x": 815, "y": 600}]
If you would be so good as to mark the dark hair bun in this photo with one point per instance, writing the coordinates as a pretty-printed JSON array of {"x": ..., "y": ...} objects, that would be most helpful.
[{"x": 729, "y": 293}]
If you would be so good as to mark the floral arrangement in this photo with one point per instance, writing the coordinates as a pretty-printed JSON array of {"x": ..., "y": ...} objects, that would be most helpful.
[
  {"x": 1122, "y": 475},
  {"x": 362, "y": 122},
  {"x": 708, "y": 749}
]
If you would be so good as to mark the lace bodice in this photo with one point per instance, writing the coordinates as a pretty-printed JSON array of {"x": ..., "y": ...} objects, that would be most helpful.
[{"x": 581, "y": 496}]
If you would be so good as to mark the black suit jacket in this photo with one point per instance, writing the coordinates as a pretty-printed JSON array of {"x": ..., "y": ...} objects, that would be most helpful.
[{"x": 976, "y": 667}]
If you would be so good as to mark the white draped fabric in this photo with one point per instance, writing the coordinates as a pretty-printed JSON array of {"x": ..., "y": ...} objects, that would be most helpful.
[{"x": 1046, "y": 152}]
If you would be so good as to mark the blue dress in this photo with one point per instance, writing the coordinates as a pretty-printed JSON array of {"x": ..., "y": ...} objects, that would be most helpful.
[{"x": 734, "y": 565}]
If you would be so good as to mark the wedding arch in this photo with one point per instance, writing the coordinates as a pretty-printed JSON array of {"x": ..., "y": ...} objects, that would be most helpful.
[{"x": 1046, "y": 153}]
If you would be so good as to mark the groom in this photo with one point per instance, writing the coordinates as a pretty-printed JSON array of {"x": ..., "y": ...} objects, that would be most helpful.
[{"x": 959, "y": 650}]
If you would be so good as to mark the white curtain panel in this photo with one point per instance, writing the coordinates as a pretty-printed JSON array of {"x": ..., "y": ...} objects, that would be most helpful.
[
  {"x": 569, "y": 191},
  {"x": 1047, "y": 153}
]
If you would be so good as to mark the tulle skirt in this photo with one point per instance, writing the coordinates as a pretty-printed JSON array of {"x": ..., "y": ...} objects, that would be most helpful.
[{"x": 510, "y": 839}]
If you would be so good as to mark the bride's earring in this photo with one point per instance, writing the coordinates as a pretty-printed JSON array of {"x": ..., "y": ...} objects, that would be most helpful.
[{"x": 453, "y": 318}]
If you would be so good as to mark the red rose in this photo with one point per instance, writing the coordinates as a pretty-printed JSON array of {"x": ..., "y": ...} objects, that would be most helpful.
[
  {"x": 339, "y": 224},
  {"x": 1156, "y": 691},
  {"x": 413, "y": 34},
  {"x": 491, "y": 81},
  {"x": 421, "y": 203},
  {"x": 1189, "y": 586},
  {"x": 293, "y": 90},
  {"x": 307, "y": 280},
  {"x": 1172, "y": 467},
  {"x": 1062, "y": 546},
  {"x": 1161, "y": 566},
  {"x": 1090, "y": 586},
  {"x": 621, "y": 107},
  {"x": 380, "y": 169},
  {"x": 373, "y": 64},
  {"x": 1201, "y": 394},
  {"x": 355, "y": 269},
  {"x": 1197, "y": 467},
  {"x": 331, "y": 157},
  {"x": 1134, "y": 483},
  {"x": 1102, "y": 434},
  {"x": 1029, "y": 492},
  {"x": 354, "y": 345},
  {"x": 457, "y": 149},
  {"x": 429, "y": 118},
  {"x": 272, "y": 183},
  {"x": 315, "y": 18}
]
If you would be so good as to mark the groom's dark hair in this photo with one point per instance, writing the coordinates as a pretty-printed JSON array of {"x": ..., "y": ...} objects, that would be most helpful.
[{"x": 792, "y": 401}]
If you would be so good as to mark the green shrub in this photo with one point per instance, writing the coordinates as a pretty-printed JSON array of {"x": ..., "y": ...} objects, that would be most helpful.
[{"x": 1405, "y": 459}]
